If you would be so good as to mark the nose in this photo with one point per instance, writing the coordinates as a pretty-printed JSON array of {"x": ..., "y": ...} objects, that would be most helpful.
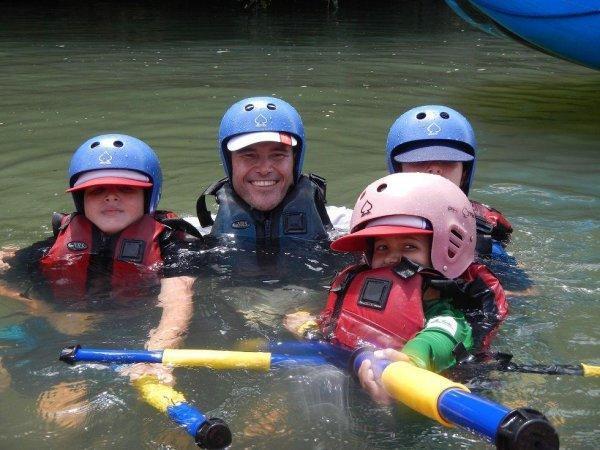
[
  {"x": 434, "y": 169},
  {"x": 393, "y": 257},
  {"x": 264, "y": 166},
  {"x": 111, "y": 195}
]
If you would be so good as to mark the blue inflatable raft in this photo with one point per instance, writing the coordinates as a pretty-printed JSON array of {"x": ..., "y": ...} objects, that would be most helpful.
[{"x": 569, "y": 29}]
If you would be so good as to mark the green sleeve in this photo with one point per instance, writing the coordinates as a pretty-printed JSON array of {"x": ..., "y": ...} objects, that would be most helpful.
[{"x": 445, "y": 327}]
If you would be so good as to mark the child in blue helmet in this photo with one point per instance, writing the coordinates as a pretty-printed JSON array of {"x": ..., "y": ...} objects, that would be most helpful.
[
  {"x": 116, "y": 246},
  {"x": 265, "y": 196},
  {"x": 437, "y": 139}
]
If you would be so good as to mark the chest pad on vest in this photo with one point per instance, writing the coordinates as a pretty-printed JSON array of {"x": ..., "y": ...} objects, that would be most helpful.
[{"x": 379, "y": 308}]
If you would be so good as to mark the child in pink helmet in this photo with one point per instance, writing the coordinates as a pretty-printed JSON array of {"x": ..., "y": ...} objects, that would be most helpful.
[{"x": 417, "y": 234}]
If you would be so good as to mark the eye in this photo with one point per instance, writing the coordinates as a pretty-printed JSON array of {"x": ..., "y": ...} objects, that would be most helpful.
[
  {"x": 95, "y": 191},
  {"x": 381, "y": 247}
]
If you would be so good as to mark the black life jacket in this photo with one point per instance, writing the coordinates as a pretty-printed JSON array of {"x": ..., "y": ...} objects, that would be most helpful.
[{"x": 300, "y": 215}]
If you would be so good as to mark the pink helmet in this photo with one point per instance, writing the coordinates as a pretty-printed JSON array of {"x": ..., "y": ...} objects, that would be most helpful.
[{"x": 416, "y": 203}]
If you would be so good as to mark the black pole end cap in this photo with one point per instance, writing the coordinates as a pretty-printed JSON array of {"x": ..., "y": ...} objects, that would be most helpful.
[
  {"x": 524, "y": 429},
  {"x": 213, "y": 434},
  {"x": 67, "y": 354}
]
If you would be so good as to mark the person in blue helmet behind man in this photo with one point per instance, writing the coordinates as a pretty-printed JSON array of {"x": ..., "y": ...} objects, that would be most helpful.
[
  {"x": 437, "y": 139},
  {"x": 265, "y": 196}
]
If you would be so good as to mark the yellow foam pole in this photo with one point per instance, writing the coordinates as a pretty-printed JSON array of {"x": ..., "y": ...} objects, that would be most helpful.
[
  {"x": 217, "y": 359},
  {"x": 417, "y": 388},
  {"x": 160, "y": 396},
  {"x": 590, "y": 371}
]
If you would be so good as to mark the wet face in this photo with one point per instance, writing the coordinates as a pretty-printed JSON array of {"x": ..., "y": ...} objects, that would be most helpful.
[
  {"x": 451, "y": 170},
  {"x": 388, "y": 251},
  {"x": 113, "y": 208},
  {"x": 262, "y": 173}
]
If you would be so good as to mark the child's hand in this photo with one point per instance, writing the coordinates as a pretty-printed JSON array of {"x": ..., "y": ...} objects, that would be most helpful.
[
  {"x": 297, "y": 323},
  {"x": 162, "y": 373},
  {"x": 73, "y": 323},
  {"x": 5, "y": 254},
  {"x": 367, "y": 378}
]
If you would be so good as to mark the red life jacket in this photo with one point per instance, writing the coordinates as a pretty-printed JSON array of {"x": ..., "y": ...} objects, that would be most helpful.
[
  {"x": 373, "y": 307},
  {"x": 501, "y": 228},
  {"x": 136, "y": 260}
]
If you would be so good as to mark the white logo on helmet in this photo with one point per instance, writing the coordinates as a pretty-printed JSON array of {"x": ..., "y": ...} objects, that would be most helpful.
[
  {"x": 433, "y": 129},
  {"x": 105, "y": 158},
  {"x": 260, "y": 121}
]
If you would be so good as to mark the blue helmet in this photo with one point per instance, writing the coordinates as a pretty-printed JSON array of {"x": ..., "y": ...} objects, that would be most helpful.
[
  {"x": 432, "y": 133},
  {"x": 116, "y": 151},
  {"x": 261, "y": 114}
]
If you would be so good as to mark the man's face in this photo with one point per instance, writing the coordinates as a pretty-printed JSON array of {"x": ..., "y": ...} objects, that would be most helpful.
[
  {"x": 113, "y": 208},
  {"x": 451, "y": 170},
  {"x": 262, "y": 173}
]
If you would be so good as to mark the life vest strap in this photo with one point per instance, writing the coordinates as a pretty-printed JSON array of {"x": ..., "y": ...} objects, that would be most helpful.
[{"x": 202, "y": 211}]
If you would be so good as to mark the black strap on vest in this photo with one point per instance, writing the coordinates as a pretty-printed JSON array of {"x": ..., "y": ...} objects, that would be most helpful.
[
  {"x": 321, "y": 198},
  {"x": 202, "y": 211},
  {"x": 484, "y": 236},
  {"x": 181, "y": 225},
  {"x": 57, "y": 225}
]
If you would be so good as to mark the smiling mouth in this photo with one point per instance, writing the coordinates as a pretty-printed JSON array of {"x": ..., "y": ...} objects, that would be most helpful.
[{"x": 264, "y": 183}]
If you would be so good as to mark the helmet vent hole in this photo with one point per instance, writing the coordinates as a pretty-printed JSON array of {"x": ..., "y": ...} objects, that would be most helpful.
[
  {"x": 456, "y": 239},
  {"x": 444, "y": 115},
  {"x": 249, "y": 107},
  {"x": 457, "y": 234},
  {"x": 362, "y": 195},
  {"x": 451, "y": 254},
  {"x": 271, "y": 106},
  {"x": 381, "y": 187},
  {"x": 95, "y": 144},
  {"x": 118, "y": 144},
  {"x": 421, "y": 115}
]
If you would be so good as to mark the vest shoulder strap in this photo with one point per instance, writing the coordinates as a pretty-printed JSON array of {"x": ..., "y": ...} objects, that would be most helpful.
[
  {"x": 181, "y": 225},
  {"x": 321, "y": 185},
  {"x": 321, "y": 198},
  {"x": 202, "y": 211},
  {"x": 60, "y": 221}
]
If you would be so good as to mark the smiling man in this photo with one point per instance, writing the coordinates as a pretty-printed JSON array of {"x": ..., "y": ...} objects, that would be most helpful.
[{"x": 265, "y": 195}]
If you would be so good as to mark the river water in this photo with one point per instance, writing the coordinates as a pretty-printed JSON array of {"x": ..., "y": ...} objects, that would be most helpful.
[{"x": 166, "y": 74}]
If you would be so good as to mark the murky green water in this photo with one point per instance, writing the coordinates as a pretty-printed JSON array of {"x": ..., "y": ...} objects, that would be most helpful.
[{"x": 166, "y": 75}]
